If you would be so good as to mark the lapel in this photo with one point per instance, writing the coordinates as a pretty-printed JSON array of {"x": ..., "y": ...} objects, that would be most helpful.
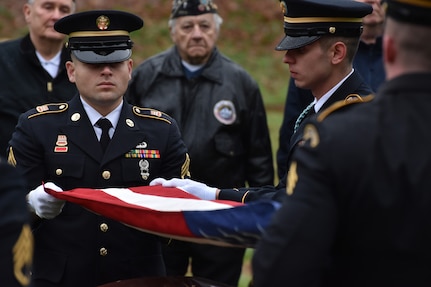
[
  {"x": 352, "y": 84},
  {"x": 79, "y": 130},
  {"x": 127, "y": 135}
]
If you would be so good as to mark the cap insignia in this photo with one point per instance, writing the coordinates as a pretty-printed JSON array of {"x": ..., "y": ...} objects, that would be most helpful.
[{"x": 102, "y": 22}]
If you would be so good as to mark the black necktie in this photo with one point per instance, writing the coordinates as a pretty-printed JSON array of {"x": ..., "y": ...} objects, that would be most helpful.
[
  {"x": 307, "y": 111},
  {"x": 105, "y": 125}
]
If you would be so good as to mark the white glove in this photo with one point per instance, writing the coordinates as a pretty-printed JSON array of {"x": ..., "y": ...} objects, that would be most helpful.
[
  {"x": 44, "y": 204},
  {"x": 198, "y": 189}
]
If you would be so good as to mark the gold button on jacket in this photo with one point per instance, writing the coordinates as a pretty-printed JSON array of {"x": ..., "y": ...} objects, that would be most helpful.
[
  {"x": 104, "y": 227},
  {"x": 106, "y": 174},
  {"x": 103, "y": 251}
]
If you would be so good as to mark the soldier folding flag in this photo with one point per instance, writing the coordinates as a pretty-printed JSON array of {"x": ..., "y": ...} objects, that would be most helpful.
[{"x": 173, "y": 213}]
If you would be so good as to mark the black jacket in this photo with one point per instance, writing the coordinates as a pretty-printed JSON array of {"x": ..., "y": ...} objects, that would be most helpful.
[
  {"x": 359, "y": 213},
  {"x": 25, "y": 84},
  {"x": 57, "y": 143},
  {"x": 220, "y": 113}
]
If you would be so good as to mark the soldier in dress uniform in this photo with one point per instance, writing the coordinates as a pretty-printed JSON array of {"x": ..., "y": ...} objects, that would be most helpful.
[
  {"x": 359, "y": 205},
  {"x": 16, "y": 240},
  {"x": 59, "y": 144}
]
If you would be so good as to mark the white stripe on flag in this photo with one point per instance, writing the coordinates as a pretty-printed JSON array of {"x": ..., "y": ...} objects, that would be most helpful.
[{"x": 164, "y": 203}]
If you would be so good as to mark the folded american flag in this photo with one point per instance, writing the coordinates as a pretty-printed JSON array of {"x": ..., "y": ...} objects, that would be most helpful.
[{"x": 173, "y": 213}]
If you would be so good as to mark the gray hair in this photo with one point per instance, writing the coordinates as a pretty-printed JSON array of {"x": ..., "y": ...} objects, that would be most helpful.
[{"x": 217, "y": 18}]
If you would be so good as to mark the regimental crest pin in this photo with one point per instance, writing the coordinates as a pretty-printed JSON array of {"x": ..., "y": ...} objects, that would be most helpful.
[
  {"x": 142, "y": 145},
  {"x": 144, "y": 166}
]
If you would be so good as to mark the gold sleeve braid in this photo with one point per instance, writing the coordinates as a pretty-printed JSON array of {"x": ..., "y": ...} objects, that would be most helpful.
[
  {"x": 11, "y": 157},
  {"x": 185, "y": 169},
  {"x": 244, "y": 196},
  {"x": 23, "y": 256}
]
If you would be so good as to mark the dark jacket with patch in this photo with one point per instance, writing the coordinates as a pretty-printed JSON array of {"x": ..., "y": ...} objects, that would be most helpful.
[
  {"x": 57, "y": 143},
  {"x": 25, "y": 84},
  {"x": 220, "y": 113},
  {"x": 360, "y": 207}
]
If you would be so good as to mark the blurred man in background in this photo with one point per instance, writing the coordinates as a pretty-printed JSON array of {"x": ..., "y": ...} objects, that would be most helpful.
[{"x": 32, "y": 68}]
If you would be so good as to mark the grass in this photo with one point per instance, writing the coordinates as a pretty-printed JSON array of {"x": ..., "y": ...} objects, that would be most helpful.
[{"x": 246, "y": 275}]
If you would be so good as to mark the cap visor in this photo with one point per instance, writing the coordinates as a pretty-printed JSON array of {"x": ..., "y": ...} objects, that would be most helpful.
[
  {"x": 290, "y": 42},
  {"x": 90, "y": 57}
]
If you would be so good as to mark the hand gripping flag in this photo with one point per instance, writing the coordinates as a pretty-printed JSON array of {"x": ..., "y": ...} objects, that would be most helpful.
[{"x": 173, "y": 213}]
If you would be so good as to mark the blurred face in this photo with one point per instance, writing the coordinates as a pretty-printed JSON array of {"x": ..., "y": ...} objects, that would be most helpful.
[
  {"x": 310, "y": 66},
  {"x": 377, "y": 17},
  {"x": 102, "y": 86},
  {"x": 41, "y": 15},
  {"x": 195, "y": 37}
]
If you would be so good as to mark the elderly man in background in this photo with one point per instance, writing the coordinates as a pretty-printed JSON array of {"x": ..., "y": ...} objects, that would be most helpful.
[
  {"x": 32, "y": 68},
  {"x": 220, "y": 111}
]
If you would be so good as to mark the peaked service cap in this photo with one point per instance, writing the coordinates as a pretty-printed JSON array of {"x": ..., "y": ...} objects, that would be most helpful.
[
  {"x": 410, "y": 11},
  {"x": 305, "y": 21},
  {"x": 100, "y": 36}
]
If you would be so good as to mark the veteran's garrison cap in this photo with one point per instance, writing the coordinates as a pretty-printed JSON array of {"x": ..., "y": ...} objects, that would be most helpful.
[
  {"x": 410, "y": 11},
  {"x": 305, "y": 21},
  {"x": 192, "y": 7},
  {"x": 100, "y": 36}
]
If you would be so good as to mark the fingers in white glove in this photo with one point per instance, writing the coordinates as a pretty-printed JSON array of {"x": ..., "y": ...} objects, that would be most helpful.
[
  {"x": 195, "y": 188},
  {"x": 157, "y": 181},
  {"x": 177, "y": 182},
  {"x": 44, "y": 204},
  {"x": 174, "y": 182},
  {"x": 52, "y": 186}
]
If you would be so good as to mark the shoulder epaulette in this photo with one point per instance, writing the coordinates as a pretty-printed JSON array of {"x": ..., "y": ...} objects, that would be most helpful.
[
  {"x": 152, "y": 114},
  {"x": 349, "y": 100},
  {"x": 49, "y": 109}
]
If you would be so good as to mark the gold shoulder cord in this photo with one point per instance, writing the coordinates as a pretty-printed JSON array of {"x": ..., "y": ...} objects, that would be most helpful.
[
  {"x": 349, "y": 100},
  {"x": 151, "y": 113},
  {"x": 50, "y": 109}
]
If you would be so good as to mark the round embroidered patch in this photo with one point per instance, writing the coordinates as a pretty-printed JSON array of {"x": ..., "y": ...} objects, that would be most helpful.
[{"x": 224, "y": 111}]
